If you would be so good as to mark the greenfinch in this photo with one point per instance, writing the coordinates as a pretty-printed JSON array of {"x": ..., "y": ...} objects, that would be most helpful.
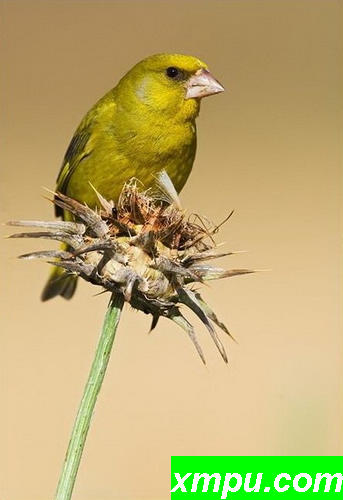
[{"x": 142, "y": 126}]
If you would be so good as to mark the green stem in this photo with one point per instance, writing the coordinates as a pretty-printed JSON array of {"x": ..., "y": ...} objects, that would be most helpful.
[{"x": 93, "y": 386}]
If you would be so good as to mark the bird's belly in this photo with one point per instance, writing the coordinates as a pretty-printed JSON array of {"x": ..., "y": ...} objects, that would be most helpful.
[
  {"x": 108, "y": 171},
  {"x": 110, "y": 179},
  {"x": 179, "y": 171}
]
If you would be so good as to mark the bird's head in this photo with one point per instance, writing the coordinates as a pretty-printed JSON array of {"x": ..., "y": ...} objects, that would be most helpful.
[{"x": 172, "y": 84}]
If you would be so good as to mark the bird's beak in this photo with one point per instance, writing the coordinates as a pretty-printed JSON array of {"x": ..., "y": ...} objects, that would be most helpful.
[{"x": 202, "y": 84}]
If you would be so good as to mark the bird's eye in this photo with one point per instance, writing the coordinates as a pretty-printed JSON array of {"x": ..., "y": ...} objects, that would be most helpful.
[{"x": 173, "y": 72}]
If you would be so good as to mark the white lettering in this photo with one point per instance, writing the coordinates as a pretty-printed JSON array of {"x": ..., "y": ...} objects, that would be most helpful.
[
  {"x": 207, "y": 478},
  {"x": 180, "y": 482},
  {"x": 257, "y": 484},
  {"x": 328, "y": 479},
  {"x": 227, "y": 487},
  {"x": 297, "y": 479},
  {"x": 277, "y": 482}
]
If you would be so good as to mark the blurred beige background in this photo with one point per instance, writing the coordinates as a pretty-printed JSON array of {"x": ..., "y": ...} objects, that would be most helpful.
[{"x": 270, "y": 148}]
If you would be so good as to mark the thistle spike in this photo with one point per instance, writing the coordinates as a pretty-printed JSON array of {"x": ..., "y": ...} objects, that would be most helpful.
[
  {"x": 106, "y": 205},
  {"x": 155, "y": 318},
  {"x": 189, "y": 299},
  {"x": 180, "y": 320},
  {"x": 73, "y": 241},
  {"x": 212, "y": 316},
  {"x": 46, "y": 254},
  {"x": 64, "y": 226},
  {"x": 88, "y": 216}
]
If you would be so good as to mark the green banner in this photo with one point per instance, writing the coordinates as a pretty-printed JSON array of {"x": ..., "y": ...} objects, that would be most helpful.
[{"x": 281, "y": 476}]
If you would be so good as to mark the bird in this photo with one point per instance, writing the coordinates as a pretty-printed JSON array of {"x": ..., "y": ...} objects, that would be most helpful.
[{"x": 144, "y": 125}]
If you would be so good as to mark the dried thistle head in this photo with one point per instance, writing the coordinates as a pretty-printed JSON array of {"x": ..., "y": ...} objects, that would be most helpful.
[{"x": 143, "y": 248}]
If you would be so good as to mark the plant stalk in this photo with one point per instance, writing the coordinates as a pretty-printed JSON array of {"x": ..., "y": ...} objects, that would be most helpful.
[{"x": 91, "y": 391}]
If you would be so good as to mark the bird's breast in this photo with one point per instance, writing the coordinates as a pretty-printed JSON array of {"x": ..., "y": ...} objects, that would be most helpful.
[{"x": 155, "y": 143}]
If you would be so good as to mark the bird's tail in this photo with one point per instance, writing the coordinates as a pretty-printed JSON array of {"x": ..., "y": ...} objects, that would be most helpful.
[{"x": 59, "y": 283}]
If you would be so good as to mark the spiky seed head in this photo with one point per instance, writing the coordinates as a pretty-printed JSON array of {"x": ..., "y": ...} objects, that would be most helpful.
[{"x": 143, "y": 248}]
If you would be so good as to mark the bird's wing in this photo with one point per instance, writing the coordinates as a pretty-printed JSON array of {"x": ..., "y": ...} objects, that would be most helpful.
[
  {"x": 84, "y": 140},
  {"x": 79, "y": 148}
]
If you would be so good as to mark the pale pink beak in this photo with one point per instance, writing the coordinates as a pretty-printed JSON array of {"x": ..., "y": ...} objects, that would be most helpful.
[{"x": 202, "y": 84}]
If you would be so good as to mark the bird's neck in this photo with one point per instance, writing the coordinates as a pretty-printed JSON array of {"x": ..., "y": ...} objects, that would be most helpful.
[{"x": 159, "y": 109}]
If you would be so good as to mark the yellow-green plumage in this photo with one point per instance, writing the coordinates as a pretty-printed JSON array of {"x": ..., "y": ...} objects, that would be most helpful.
[{"x": 143, "y": 125}]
